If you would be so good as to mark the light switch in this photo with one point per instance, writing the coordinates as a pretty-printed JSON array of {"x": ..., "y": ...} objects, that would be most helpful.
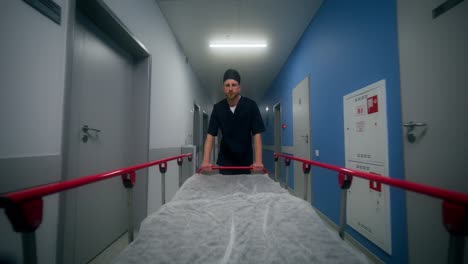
[{"x": 317, "y": 153}]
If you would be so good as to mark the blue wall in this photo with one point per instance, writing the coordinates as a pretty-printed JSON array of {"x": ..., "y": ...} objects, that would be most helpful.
[{"x": 348, "y": 45}]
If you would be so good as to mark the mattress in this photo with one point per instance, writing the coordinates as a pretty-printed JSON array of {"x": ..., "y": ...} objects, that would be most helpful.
[{"x": 236, "y": 219}]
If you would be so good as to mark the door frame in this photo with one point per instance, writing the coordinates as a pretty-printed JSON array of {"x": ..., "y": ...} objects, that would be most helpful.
[
  {"x": 434, "y": 154},
  {"x": 278, "y": 147},
  {"x": 205, "y": 121},
  {"x": 298, "y": 174},
  {"x": 108, "y": 22},
  {"x": 197, "y": 132}
]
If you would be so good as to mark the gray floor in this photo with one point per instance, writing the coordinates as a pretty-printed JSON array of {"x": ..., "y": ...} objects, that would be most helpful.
[{"x": 112, "y": 251}]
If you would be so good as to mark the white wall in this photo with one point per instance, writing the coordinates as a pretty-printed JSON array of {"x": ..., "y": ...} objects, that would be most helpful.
[
  {"x": 32, "y": 81},
  {"x": 174, "y": 86},
  {"x": 32, "y": 74}
]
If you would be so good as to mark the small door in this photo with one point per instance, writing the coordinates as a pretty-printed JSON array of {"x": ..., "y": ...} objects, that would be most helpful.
[
  {"x": 301, "y": 134},
  {"x": 197, "y": 134},
  {"x": 434, "y": 93},
  {"x": 205, "y": 128},
  {"x": 100, "y": 131},
  {"x": 278, "y": 141}
]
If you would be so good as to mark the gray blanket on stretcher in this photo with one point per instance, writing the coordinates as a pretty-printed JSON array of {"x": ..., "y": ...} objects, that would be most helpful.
[{"x": 236, "y": 219}]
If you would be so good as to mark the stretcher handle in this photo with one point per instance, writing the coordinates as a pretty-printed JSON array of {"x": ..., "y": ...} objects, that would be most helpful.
[{"x": 231, "y": 168}]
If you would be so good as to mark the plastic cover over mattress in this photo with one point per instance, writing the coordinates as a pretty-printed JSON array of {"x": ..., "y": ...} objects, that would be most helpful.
[{"x": 236, "y": 219}]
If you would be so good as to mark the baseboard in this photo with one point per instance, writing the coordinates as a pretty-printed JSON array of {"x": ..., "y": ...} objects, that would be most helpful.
[{"x": 348, "y": 238}]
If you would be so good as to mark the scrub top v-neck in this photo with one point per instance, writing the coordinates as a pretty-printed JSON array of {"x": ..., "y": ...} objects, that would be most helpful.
[{"x": 237, "y": 130}]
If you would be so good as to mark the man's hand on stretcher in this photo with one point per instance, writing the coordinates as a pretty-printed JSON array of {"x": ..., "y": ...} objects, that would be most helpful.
[
  {"x": 206, "y": 167},
  {"x": 257, "y": 167}
]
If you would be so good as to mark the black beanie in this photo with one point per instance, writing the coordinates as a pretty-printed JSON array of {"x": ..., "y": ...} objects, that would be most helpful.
[{"x": 232, "y": 74}]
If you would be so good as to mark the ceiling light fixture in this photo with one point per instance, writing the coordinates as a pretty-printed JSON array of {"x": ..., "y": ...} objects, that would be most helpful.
[{"x": 240, "y": 45}]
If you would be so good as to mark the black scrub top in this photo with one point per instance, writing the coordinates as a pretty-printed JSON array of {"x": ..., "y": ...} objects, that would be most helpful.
[{"x": 237, "y": 130}]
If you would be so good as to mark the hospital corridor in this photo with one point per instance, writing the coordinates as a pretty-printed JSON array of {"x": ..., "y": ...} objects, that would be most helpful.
[{"x": 233, "y": 131}]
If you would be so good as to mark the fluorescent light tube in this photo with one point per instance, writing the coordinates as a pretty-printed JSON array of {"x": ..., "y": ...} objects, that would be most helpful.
[{"x": 240, "y": 45}]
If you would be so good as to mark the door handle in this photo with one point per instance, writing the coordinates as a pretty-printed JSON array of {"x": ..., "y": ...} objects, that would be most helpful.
[
  {"x": 412, "y": 125},
  {"x": 410, "y": 131},
  {"x": 86, "y": 128},
  {"x": 86, "y": 133},
  {"x": 306, "y": 138}
]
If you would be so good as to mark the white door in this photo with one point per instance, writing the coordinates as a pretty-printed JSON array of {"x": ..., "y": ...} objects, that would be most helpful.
[
  {"x": 434, "y": 91},
  {"x": 101, "y": 95},
  {"x": 301, "y": 134}
]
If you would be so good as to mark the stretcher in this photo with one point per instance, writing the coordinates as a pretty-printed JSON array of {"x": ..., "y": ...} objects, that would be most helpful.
[
  {"x": 236, "y": 219},
  {"x": 233, "y": 218}
]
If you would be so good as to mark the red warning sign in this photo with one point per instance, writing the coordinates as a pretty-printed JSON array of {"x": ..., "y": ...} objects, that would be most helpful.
[{"x": 372, "y": 104}]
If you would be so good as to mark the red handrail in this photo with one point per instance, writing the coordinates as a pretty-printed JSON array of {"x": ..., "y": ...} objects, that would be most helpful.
[
  {"x": 447, "y": 195},
  {"x": 40, "y": 191},
  {"x": 454, "y": 205},
  {"x": 24, "y": 208},
  {"x": 231, "y": 168}
]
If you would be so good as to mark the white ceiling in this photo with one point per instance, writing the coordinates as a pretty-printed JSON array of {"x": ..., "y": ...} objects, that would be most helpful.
[{"x": 196, "y": 23}]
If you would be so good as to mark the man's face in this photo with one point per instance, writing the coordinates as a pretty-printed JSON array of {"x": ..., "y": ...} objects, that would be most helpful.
[{"x": 231, "y": 89}]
